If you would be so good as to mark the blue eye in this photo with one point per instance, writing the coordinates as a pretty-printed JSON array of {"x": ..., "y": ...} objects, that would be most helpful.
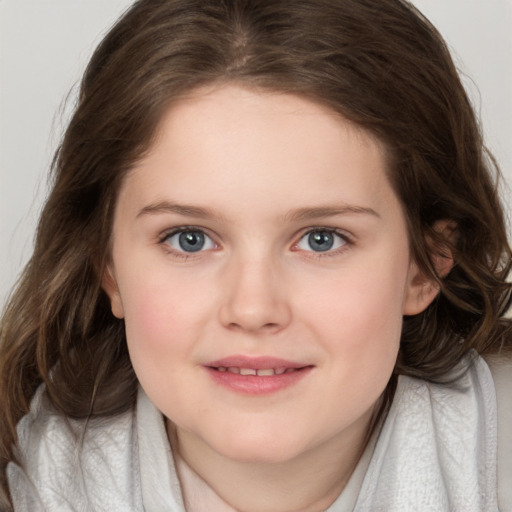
[
  {"x": 189, "y": 240},
  {"x": 321, "y": 240}
]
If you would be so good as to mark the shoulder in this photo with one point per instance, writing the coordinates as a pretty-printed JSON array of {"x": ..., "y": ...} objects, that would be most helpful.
[
  {"x": 501, "y": 370},
  {"x": 434, "y": 444},
  {"x": 67, "y": 464}
]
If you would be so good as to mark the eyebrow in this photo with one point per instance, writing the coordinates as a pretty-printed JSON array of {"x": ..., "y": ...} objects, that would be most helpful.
[
  {"x": 329, "y": 211},
  {"x": 300, "y": 214},
  {"x": 180, "y": 209}
]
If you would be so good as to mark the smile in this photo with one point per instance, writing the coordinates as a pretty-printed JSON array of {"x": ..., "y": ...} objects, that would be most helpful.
[
  {"x": 264, "y": 372},
  {"x": 256, "y": 375}
]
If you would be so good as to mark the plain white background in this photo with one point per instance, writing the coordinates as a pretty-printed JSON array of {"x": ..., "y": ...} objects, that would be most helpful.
[{"x": 45, "y": 45}]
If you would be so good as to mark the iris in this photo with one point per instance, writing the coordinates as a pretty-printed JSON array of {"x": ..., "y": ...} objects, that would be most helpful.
[
  {"x": 191, "y": 241},
  {"x": 321, "y": 241}
]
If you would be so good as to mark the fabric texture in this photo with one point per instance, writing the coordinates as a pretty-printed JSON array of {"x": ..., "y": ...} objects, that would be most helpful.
[
  {"x": 436, "y": 452},
  {"x": 501, "y": 369},
  {"x": 438, "y": 448},
  {"x": 71, "y": 466}
]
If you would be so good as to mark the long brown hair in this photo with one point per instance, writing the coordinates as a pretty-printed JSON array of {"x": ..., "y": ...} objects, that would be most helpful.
[{"x": 379, "y": 63}]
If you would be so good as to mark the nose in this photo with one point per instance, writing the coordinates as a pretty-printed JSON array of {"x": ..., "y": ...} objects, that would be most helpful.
[{"x": 255, "y": 299}]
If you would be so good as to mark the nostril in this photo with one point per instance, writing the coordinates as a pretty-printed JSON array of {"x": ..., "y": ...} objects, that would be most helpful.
[
  {"x": 254, "y": 314},
  {"x": 270, "y": 326}
]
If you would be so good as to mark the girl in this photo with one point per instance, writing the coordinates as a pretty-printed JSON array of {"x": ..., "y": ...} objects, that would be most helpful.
[{"x": 270, "y": 262}]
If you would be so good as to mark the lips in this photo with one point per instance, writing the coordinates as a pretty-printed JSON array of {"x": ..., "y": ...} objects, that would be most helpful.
[
  {"x": 256, "y": 375},
  {"x": 253, "y": 365},
  {"x": 263, "y": 372}
]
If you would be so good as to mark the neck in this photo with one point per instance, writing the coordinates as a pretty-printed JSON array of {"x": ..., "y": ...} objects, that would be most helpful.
[{"x": 309, "y": 482}]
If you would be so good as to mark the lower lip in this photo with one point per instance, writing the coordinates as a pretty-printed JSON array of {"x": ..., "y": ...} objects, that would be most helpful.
[{"x": 258, "y": 385}]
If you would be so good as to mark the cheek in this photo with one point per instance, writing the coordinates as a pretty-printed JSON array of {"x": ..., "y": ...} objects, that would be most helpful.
[
  {"x": 363, "y": 298},
  {"x": 153, "y": 332},
  {"x": 164, "y": 314},
  {"x": 358, "y": 319},
  {"x": 149, "y": 311}
]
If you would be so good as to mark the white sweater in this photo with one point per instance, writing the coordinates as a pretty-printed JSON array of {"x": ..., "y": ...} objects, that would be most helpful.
[{"x": 436, "y": 452}]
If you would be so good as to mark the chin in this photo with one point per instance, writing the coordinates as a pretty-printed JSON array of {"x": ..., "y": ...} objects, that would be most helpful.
[{"x": 264, "y": 450}]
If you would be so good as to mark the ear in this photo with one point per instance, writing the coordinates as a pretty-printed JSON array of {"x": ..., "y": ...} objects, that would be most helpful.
[
  {"x": 422, "y": 290},
  {"x": 109, "y": 285}
]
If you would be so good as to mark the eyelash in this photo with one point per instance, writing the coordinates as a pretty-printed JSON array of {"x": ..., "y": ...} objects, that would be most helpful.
[
  {"x": 347, "y": 239},
  {"x": 166, "y": 235}
]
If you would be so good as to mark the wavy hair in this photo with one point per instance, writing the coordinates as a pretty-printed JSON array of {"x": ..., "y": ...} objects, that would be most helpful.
[{"x": 378, "y": 63}]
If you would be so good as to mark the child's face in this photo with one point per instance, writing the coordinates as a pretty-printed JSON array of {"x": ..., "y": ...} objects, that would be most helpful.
[{"x": 261, "y": 233}]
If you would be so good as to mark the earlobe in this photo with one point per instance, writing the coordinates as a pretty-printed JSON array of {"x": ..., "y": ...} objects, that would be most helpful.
[{"x": 109, "y": 285}]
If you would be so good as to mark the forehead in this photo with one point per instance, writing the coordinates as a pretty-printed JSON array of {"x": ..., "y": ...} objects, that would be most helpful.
[{"x": 228, "y": 143}]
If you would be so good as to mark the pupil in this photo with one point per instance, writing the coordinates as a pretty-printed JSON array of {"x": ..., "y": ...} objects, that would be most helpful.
[
  {"x": 192, "y": 241},
  {"x": 321, "y": 241}
]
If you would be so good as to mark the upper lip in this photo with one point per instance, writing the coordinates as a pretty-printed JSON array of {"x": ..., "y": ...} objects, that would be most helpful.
[{"x": 256, "y": 363}]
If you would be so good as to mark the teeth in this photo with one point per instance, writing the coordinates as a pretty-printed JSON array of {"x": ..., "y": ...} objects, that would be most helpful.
[
  {"x": 266, "y": 372},
  {"x": 247, "y": 371}
]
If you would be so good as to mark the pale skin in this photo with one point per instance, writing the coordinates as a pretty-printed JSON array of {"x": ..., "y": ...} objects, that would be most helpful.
[{"x": 255, "y": 174}]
